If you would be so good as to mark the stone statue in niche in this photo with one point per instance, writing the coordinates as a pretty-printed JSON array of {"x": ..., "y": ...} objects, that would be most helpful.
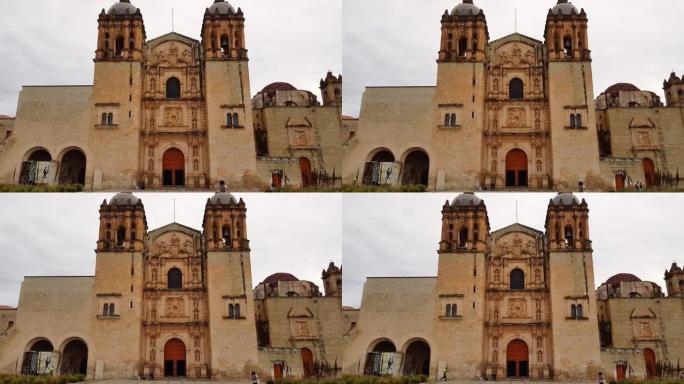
[
  {"x": 197, "y": 341},
  {"x": 195, "y": 275},
  {"x": 494, "y": 166},
  {"x": 154, "y": 314},
  {"x": 517, "y": 308},
  {"x": 174, "y": 307},
  {"x": 494, "y": 152},
  {"x": 152, "y": 355},
  {"x": 153, "y": 341},
  {"x": 197, "y": 355},
  {"x": 193, "y": 84},
  {"x": 495, "y": 356},
  {"x": 152, "y": 124}
]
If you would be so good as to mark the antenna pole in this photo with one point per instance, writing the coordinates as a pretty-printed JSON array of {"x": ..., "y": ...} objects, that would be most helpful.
[
  {"x": 516, "y": 211},
  {"x": 516, "y": 20},
  {"x": 172, "y": 21},
  {"x": 174, "y": 210}
]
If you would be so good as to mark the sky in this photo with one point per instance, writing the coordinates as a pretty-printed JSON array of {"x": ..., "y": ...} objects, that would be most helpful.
[
  {"x": 52, "y": 42},
  {"x": 393, "y": 235},
  {"x": 395, "y": 42},
  {"x": 56, "y": 234}
]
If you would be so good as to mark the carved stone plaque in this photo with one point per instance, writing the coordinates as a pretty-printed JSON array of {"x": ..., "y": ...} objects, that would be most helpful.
[
  {"x": 173, "y": 117},
  {"x": 516, "y": 118},
  {"x": 175, "y": 307},
  {"x": 517, "y": 308}
]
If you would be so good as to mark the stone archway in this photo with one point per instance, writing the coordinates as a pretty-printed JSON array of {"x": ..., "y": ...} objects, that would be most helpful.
[
  {"x": 39, "y": 154},
  {"x": 417, "y": 359},
  {"x": 173, "y": 166},
  {"x": 416, "y": 168},
  {"x": 383, "y": 156},
  {"x": 74, "y": 358},
  {"x": 517, "y": 359},
  {"x": 380, "y": 358},
  {"x": 72, "y": 168},
  {"x": 38, "y": 357},
  {"x": 174, "y": 358},
  {"x": 516, "y": 169},
  {"x": 308, "y": 362}
]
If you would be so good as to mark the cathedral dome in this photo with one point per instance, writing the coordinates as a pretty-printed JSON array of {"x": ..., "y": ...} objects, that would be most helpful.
[
  {"x": 467, "y": 8},
  {"x": 467, "y": 199},
  {"x": 622, "y": 87},
  {"x": 123, "y": 7},
  {"x": 223, "y": 198},
  {"x": 278, "y": 86},
  {"x": 221, "y": 7},
  {"x": 124, "y": 198},
  {"x": 280, "y": 276},
  {"x": 622, "y": 278},
  {"x": 565, "y": 199},
  {"x": 564, "y": 8}
]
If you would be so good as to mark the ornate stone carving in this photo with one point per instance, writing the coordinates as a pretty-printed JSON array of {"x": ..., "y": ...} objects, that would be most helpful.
[
  {"x": 174, "y": 307},
  {"x": 302, "y": 328},
  {"x": 516, "y": 118},
  {"x": 517, "y": 308},
  {"x": 173, "y": 116}
]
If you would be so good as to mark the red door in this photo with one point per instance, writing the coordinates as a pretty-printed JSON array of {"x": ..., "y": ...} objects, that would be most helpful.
[
  {"x": 517, "y": 359},
  {"x": 650, "y": 358},
  {"x": 649, "y": 172},
  {"x": 516, "y": 168},
  {"x": 307, "y": 362},
  {"x": 174, "y": 358},
  {"x": 307, "y": 175},
  {"x": 278, "y": 371},
  {"x": 620, "y": 182},
  {"x": 174, "y": 168},
  {"x": 620, "y": 372}
]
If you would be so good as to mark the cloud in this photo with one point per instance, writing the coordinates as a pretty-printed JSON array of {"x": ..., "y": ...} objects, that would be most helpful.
[
  {"x": 53, "y": 43},
  {"x": 55, "y": 235},
  {"x": 395, "y": 42},
  {"x": 398, "y": 235}
]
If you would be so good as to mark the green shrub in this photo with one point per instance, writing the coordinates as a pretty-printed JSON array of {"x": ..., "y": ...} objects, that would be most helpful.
[{"x": 40, "y": 188}]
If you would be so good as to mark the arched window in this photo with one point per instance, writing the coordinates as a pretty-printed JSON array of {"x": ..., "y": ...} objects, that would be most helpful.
[
  {"x": 173, "y": 88},
  {"x": 567, "y": 46},
  {"x": 446, "y": 120},
  {"x": 105, "y": 310},
  {"x": 111, "y": 309},
  {"x": 120, "y": 236},
  {"x": 104, "y": 119},
  {"x": 225, "y": 233},
  {"x": 578, "y": 120},
  {"x": 231, "y": 311},
  {"x": 229, "y": 120},
  {"x": 516, "y": 89},
  {"x": 236, "y": 121},
  {"x": 110, "y": 119},
  {"x": 225, "y": 45},
  {"x": 462, "y": 237},
  {"x": 462, "y": 47},
  {"x": 580, "y": 315},
  {"x": 573, "y": 122},
  {"x": 454, "y": 310},
  {"x": 131, "y": 41},
  {"x": 517, "y": 279},
  {"x": 573, "y": 311},
  {"x": 474, "y": 44},
  {"x": 175, "y": 279},
  {"x": 448, "y": 310},
  {"x": 237, "y": 311},
  {"x": 569, "y": 238},
  {"x": 453, "y": 120},
  {"x": 119, "y": 46}
]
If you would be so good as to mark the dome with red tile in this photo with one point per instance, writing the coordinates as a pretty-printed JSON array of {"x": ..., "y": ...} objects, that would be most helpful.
[
  {"x": 622, "y": 278},
  {"x": 280, "y": 276}
]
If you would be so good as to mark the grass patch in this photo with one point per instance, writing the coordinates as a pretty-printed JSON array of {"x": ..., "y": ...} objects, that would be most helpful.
[
  {"x": 40, "y": 188},
  {"x": 357, "y": 380},
  {"x": 17, "y": 379}
]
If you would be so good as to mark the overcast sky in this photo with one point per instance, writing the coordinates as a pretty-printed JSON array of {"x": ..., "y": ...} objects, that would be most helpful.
[
  {"x": 399, "y": 234},
  {"x": 395, "y": 42},
  {"x": 52, "y": 42},
  {"x": 56, "y": 234}
]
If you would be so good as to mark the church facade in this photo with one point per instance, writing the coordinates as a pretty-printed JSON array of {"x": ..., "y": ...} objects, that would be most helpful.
[
  {"x": 512, "y": 303},
  {"x": 512, "y": 113},
  {"x": 173, "y": 302},
  {"x": 169, "y": 112}
]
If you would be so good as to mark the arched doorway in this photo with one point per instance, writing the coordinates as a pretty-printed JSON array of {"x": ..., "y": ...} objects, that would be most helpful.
[
  {"x": 307, "y": 174},
  {"x": 278, "y": 371},
  {"x": 173, "y": 168},
  {"x": 383, "y": 156},
  {"x": 516, "y": 169},
  {"x": 308, "y": 363},
  {"x": 649, "y": 172},
  {"x": 517, "y": 359},
  {"x": 620, "y": 372},
  {"x": 416, "y": 168},
  {"x": 619, "y": 182},
  {"x": 38, "y": 358},
  {"x": 72, "y": 169},
  {"x": 650, "y": 359},
  {"x": 380, "y": 359},
  {"x": 40, "y": 155},
  {"x": 417, "y": 359},
  {"x": 74, "y": 358},
  {"x": 174, "y": 358}
]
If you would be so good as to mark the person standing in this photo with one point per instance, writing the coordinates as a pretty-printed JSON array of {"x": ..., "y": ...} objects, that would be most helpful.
[
  {"x": 444, "y": 375},
  {"x": 255, "y": 378},
  {"x": 601, "y": 380}
]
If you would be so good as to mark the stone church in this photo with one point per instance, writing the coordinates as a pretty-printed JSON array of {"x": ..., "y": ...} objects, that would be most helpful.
[
  {"x": 516, "y": 302},
  {"x": 514, "y": 113},
  {"x": 174, "y": 302},
  {"x": 173, "y": 112}
]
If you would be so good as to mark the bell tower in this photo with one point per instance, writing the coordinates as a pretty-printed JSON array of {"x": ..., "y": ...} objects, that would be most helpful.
[
  {"x": 331, "y": 90},
  {"x": 229, "y": 286},
  {"x": 674, "y": 91},
  {"x": 226, "y": 78},
  {"x": 117, "y": 88},
  {"x": 459, "y": 308},
  {"x": 674, "y": 281},
  {"x": 460, "y": 92},
  {"x": 332, "y": 280},
  {"x": 119, "y": 283},
  {"x": 571, "y": 285},
  {"x": 571, "y": 93}
]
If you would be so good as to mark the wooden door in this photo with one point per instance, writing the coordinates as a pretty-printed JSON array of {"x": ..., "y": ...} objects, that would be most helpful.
[
  {"x": 619, "y": 182},
  {"x": 650, "y": 359},
  {"x": 173, "y": 165},
  {"x": 307, "y": 175},
  {"x": 649, "y": 172},
  {"x": 174, "y": 358},
  {"x": 308, "y": 363},
  {"x": 620, "y": 372},
  {"x": 278, "y": 371},
  {"x": 517, "y": 359},
  {"x": 516, "y": 168}
]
